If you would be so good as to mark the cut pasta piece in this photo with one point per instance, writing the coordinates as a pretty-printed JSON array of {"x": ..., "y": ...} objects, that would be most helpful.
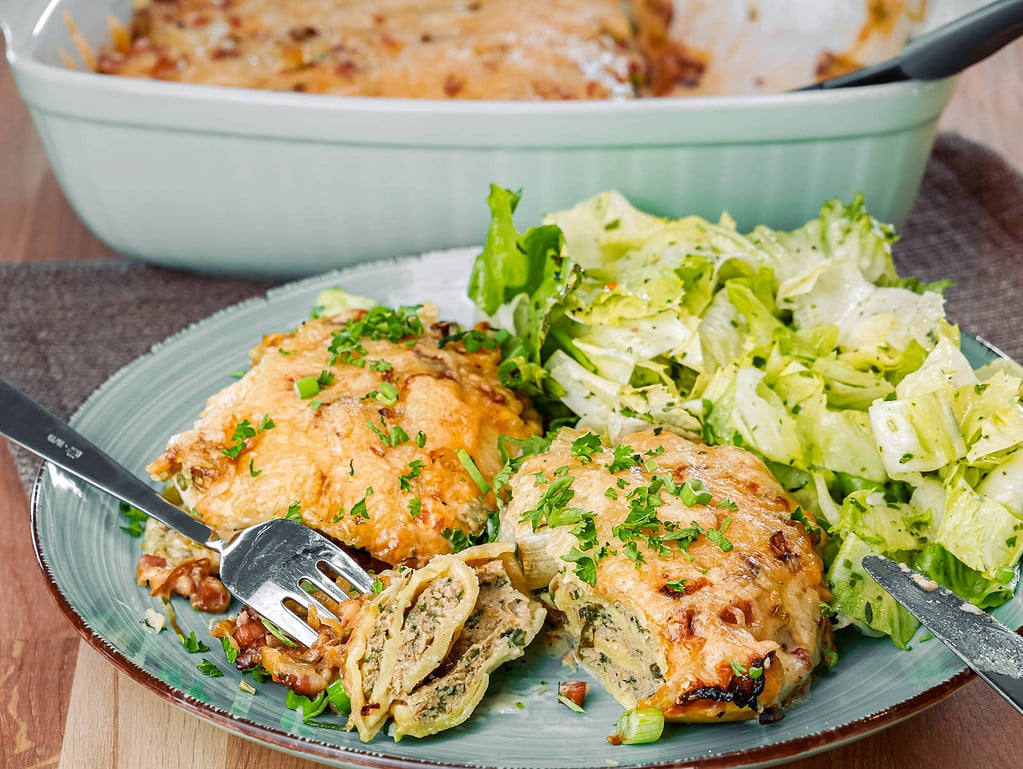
[{"x": 423, "y": 650}]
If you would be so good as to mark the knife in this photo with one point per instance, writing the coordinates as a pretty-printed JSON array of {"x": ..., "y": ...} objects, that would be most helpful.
[{"x": 993, "y": 651}]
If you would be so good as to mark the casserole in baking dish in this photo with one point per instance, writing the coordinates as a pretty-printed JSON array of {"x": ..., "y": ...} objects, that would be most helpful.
[{"x": 268, "y": 183}]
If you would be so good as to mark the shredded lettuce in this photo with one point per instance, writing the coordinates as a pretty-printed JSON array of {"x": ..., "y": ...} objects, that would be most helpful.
[{"x": 805, "y": 347}]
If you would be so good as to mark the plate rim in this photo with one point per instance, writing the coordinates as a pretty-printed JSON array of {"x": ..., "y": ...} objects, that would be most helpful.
[{"x": 277, "y": 738}]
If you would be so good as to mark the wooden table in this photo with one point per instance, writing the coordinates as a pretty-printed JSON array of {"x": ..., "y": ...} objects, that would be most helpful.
[{"x": 65, "y": 706}]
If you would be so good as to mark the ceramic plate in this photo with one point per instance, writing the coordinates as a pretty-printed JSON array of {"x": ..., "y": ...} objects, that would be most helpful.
[{"x": 90, "y": 565}]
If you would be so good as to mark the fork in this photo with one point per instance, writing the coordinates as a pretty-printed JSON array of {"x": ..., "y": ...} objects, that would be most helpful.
[{"x": 262, "y": 566}]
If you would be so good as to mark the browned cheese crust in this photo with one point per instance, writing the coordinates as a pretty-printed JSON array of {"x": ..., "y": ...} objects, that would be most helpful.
[
  {"x": 347, "y": 462},
  {"x": 704, "y": 631},
  {"x": 440, "y": 49}
]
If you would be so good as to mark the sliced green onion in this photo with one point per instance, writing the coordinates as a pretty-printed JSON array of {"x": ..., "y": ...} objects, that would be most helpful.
[
  {"x": 339, "y": 698},
  {"x": 246, "y": 687},
  {"x": 474, "y": 472},
  {"x": 639, "y": 725},
  {"x": 310, "y": 707},
  {"x": 307, "y": 387},
  {"x": 570, "y": 705},
  {"x": 693, "y": 492},
  {"x": 388, "y": 394}
]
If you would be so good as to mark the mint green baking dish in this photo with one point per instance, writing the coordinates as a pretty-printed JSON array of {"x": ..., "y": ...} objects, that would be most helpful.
[{"x": 261, "y": 183}]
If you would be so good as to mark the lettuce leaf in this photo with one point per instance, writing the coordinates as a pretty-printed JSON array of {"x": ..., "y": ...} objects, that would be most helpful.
[{"x": 805, "y": 347}]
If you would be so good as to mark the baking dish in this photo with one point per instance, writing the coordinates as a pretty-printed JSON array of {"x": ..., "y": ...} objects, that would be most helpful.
[{"x": 265, "y": 183}]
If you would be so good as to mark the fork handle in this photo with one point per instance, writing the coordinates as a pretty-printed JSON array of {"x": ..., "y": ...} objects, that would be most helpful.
[{"x": 30, "y": 425}]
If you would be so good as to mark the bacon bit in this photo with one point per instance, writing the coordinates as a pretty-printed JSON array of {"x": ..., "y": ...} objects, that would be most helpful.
[
  {"x": 211, "y": 596},
  {"x": 752, "y": 564},
  {"x": 301, "y": 677},
  {"x": 299, "y": 34},
  {"x": 453, "y": 85},
  {"x": 574, "y": 691},
  {"x": 346, "y": 68},
  {"x": 683, "y": 627},
  {"x": 491, "y": 394},
  {"x": 738, "y": 614},
  {"x": 690, "y": 587},
  {"x": 191, "y": 579},
  {"x": 782, "y": 550}
]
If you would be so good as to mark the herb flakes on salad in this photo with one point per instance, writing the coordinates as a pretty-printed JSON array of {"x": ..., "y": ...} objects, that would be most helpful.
[{"x": 804, "y": 347}]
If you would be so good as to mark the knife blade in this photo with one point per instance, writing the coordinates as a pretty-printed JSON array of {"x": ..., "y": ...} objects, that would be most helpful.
[{"x": 991, "y": 649}]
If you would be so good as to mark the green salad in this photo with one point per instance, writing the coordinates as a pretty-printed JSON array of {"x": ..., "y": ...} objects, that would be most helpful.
[{"x": 803, "y": 347}]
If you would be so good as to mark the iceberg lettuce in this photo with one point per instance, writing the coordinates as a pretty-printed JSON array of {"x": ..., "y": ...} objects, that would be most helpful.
[{"x": 804, "y": 347}]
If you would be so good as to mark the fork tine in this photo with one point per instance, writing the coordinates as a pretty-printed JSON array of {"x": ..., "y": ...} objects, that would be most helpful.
[
  {"x": 268, "y": 601},
  {"x": 328, "y": 586},
  {"x": 346, "y": 567}
]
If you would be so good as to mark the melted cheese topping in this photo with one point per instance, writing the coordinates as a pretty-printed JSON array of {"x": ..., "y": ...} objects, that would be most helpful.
[
  {"x": 437, "y": 49},
  {"x": 717, "y": 628},
  {"x": 338, "y": 462}
]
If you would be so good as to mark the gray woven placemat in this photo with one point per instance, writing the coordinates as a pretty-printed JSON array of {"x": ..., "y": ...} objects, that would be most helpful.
[{"x": 65, "y": 328}]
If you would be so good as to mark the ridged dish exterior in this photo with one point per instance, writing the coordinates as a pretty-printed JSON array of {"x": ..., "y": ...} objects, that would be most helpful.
[{"x": 262, "y": 183}]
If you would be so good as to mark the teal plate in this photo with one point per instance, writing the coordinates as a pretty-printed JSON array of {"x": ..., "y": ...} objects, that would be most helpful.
[{"x": 90, "y": 567}]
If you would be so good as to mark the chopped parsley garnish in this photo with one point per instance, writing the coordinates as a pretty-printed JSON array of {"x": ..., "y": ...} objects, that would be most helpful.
[
  {"x": 555, "y": 497},
  {"x": 389, "y": 435},
  {"x": 252, "y": 469},
  {"x": 325, "y": 379},
  {"x": 239, "y": 440},
  {"x": 207, "y": 668},
  {"x": 676, "y": 585},
  {"x": 242, "y": 432},
  {"x": 585, "y": 446},
  {"x": 474, "y": 339},
  {"x": 380, "y": 364},
  {"x": 585, "y": 566},
  {"x": 717, "y": 536},
  {"x": 294, "y": 512},
  {"x": 415, "y": 506},
  {"x": 814, "y": 529},
  {"x": 192, "y": 644},
  {"x": 229, "y": 651},
  {"x": 378, "y": 323},
  {"x": 359, "y": 509},
  {"x": 624, "y": 458},
  {"x": 415, "y": 467},
  {"x": 458, "y": 538}
]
